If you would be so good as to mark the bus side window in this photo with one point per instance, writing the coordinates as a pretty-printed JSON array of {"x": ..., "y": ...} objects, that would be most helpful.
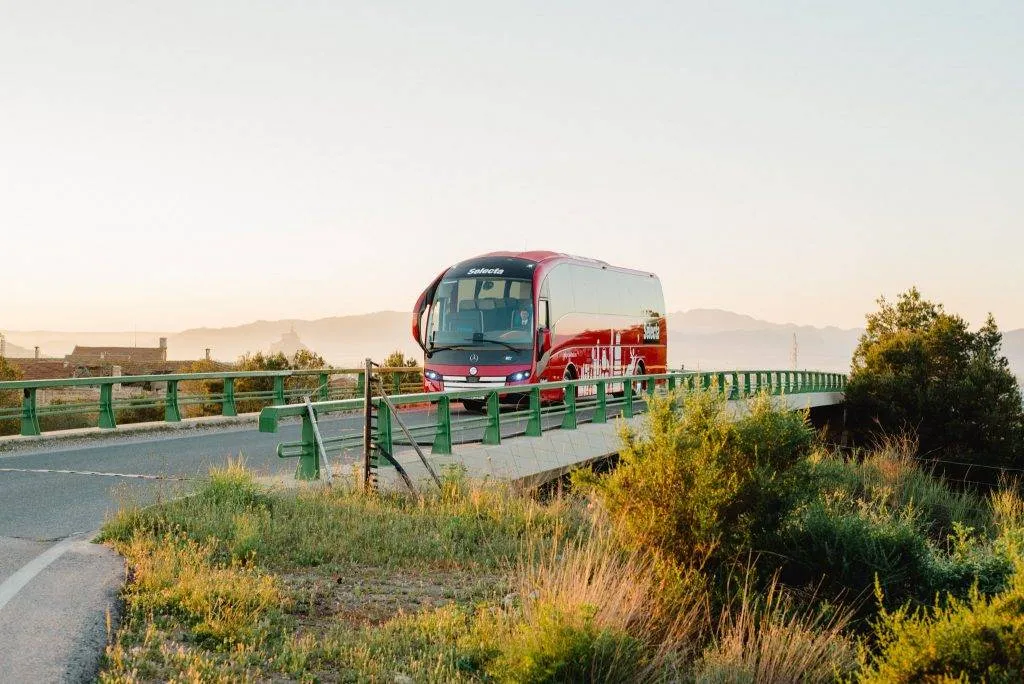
[{"x": 542, "y": 314}]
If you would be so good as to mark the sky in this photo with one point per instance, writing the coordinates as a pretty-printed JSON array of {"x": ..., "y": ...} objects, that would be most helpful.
[{"x": 173, "y": 165}]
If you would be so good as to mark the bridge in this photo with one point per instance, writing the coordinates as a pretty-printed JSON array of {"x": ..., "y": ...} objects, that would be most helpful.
[
  {"x": 57, "y": 485},
  {"x": 521, "y": 437}
]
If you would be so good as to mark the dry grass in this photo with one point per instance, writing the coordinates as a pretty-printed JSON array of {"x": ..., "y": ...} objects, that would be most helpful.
[{"x": 764, "y": 639}]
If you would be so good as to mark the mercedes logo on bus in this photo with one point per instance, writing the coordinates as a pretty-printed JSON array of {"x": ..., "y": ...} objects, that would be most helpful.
[{"x": 473, "y": 358}]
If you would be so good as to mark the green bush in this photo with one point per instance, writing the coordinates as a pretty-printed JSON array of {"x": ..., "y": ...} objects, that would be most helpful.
[
  {"x": 842, "y": 549},
  {"x": 140, "y": 411},
  {"x": 865, "y": 526},
  {"x": 696, "y": 485},
  {"x": 980, "y": 639},
  {"x": 562, "y": 646},
  {"x": 891, "y": 475}
]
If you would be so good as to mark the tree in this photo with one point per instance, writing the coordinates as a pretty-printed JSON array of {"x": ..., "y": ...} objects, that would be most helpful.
[
  {"x": 301, "y": 360},
  {"x": 9, "y": 399},
  {"x": 404, "y": 382},
  {"x": 208, "y": 387},
  {"x": 922, "y": 369}
]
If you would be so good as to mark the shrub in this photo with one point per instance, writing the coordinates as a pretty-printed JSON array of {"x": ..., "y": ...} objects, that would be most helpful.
[
  {"x": 566, "y": 646},
  {"x": 977, "y": 639},
  {"x": 885, "y": 519},
  {"x": 141, "y": 411},
  {"x": 842, "y": 547},
  {"x": 696, "y": 485}
]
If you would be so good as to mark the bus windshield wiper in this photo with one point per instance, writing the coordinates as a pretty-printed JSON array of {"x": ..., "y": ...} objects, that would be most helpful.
[
  {"x": 501, "y": 342},
  {"x": 444, "y": 347}
]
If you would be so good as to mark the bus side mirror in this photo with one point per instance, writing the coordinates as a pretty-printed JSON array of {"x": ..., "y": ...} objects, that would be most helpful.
[{"x": 543, "y": 341}]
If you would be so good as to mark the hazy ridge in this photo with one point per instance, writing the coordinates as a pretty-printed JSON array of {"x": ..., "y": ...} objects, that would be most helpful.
[{"x": 699, "y": 338}]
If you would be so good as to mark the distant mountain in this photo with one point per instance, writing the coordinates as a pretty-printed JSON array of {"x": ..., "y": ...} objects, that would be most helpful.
[
  {"x": 341, "y": 340},
  {"x": 699, "y": 338},
  {"x": 716, "y": 339}
]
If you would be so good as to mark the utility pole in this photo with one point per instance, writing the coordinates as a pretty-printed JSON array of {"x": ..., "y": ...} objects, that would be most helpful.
[{"x": 794, "y": 354}]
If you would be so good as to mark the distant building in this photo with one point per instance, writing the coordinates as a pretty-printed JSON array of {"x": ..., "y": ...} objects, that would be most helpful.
[
  {"x": 104, "y": 356},
  {"x": 288, "y": 344}
]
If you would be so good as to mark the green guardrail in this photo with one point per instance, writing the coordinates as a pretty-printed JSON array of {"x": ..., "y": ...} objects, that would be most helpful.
[
  {"x": 594, "y": 400},
  {"x": 228, "y": 390}
]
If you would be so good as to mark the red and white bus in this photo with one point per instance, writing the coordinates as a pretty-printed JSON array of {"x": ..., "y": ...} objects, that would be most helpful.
[{"x": 506, "y": 319}]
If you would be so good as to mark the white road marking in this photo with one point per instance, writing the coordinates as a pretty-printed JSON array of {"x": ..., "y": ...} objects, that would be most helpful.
[
  {"x": 136, "y": 476},
  {"x": 16, "y": 582}
]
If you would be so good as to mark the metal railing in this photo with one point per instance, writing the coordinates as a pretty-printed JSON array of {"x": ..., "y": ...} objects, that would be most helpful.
[
  {"x": 101, "y": 401},
  {"x": 532, "y": 409}
]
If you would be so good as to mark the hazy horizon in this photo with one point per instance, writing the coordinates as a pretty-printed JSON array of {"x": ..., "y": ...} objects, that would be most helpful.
[{"x": 169, "y": 167}]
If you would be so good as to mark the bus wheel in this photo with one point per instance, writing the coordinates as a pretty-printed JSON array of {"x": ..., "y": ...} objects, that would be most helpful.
[{"x": 475, "y": 406}]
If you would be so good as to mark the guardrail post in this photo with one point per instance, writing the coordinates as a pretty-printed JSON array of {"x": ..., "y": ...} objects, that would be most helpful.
[
  {"x": 492, "y": 433},
  {"x": 534, "y": 426},
  {"x": 746, "y": 384},
  {"x": 172, "y": 413},
  {"x": 106, "y": 420},
  {"x": 385, "y": 436},
  {"x": 228, "y": 407},
  {"x": 309, "y": 459},
  {"x": 443, "y": 434},
  {"x": 325, "y": 387},
  {"x": 569, "y": 419},
  {"x": 601, "y": 411},
  {"x": 396, "y": 383},
  {"x": 705, "y": 381},
  {"x": 734, "y": 391},
  {"x": 360, "y": 383},
  {"x": 627, "y": 393},
  {"x": 279, "y": 399},
  {"x": 29, "y": 416},
  {"x": 720, "y": 380}
]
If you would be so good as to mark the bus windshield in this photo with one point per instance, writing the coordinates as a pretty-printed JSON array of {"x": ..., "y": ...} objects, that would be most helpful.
[{"x": 481, "y": 311}]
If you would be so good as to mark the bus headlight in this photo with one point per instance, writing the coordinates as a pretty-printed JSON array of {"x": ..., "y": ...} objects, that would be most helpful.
[
  {"x": 519, "y": 376},
  {"x": 432, "y": 375}
]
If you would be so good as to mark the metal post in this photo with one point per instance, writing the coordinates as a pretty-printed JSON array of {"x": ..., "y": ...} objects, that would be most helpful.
[
  {"x": 172, "y": 413},
  {"x": 325, "y": 387},
  {"x": 569, "y": 418},
  {"x": 746, "y": 384},
  {"x": 228, "y": 407},
  {"x": 627, "y": 407},
  {"x": 309, "y": 462},
  {"x": 279, "y": 399},
  {"x": 321, "y": 450},
  {"x": 601, "y": 412},
  {"x": 29, "y": 416},
  {"x": 534, "y": 427},
  {"x": 367, "y": 430},
  {"x": 443, "y": 435},
  {"x": 106, "y": 420},
  {"x": 492, "y": 433}
]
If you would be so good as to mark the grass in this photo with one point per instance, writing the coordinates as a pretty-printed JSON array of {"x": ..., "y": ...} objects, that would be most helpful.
[
  {"x": 478, "y": 582},
  {"x": 240, "y": 582}
]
